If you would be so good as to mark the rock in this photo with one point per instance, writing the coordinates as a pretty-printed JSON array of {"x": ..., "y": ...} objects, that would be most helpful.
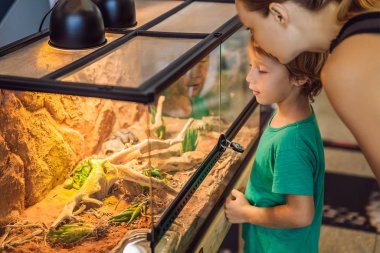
[
  {"x": 12, "y": 185},
  {"x": 43, "y": 136}
]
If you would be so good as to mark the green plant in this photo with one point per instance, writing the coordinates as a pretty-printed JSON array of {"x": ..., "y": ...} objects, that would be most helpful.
[
  {"x": 153, "y": 172},
  {"x": 205, "y": 128},
  {"x": 131, "y": 213},
  {"x": 189, "y": 143},
  {"x": 70, "y": 233},
  {"x": 154, "y": 112},
  {"x": 79, "y": 176}
]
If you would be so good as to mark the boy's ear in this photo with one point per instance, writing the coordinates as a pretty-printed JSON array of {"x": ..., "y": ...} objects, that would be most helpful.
[
  {"x": 279, "y": 13},
  {"x": 300, "y": 82}
]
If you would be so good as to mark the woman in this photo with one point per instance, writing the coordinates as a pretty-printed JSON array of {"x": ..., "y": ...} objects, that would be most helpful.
[{"x": 351, "y": 76}]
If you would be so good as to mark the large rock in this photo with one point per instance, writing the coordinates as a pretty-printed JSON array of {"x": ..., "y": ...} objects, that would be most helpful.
[
  {"x": 12, "y": 185},
  {"x": 43, "y": 136}
]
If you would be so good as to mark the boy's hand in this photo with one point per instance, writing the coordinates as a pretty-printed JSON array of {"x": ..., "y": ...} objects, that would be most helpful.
[{"x": 235, "y": 205}]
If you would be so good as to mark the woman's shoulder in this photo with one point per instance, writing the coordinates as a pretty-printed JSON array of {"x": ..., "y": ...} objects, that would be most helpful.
[{"x": 356, "y": 55}]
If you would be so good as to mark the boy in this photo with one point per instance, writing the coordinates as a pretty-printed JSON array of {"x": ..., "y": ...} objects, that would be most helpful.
[{"x": 282, "y": 206}]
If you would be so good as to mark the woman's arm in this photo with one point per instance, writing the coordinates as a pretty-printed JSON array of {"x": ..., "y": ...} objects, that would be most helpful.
[
  {"x": 297, "y": 212},
  {"x": 351, "y": 79}
]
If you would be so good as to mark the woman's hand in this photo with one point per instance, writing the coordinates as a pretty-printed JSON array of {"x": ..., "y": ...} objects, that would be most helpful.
[{"x": 235, "y": 207}]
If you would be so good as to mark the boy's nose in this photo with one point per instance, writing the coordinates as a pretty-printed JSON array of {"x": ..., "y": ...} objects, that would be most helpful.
[{"x": 251, "y": 76}]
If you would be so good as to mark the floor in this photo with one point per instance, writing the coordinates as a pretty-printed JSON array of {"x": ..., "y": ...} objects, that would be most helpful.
[{"x": 349, "y": 218}]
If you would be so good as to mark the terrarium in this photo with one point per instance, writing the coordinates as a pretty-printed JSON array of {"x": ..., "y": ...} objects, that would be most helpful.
[{"x": 130, "y": 145}]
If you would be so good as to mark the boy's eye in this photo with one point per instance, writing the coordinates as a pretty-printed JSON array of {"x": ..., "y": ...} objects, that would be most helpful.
[{"x": 262, "y": 71}]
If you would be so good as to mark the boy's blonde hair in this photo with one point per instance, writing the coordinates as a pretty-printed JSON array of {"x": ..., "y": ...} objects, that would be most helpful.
[
  {"x": 307, "y": 66},
  {"x": 347, "y": 8}
]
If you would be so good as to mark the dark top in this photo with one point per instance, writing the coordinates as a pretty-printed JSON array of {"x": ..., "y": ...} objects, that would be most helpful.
[{"x": 363, "y": 23}]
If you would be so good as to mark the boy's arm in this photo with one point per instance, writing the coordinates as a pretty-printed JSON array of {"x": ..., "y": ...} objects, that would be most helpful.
[{"x": 297, "y": 212}]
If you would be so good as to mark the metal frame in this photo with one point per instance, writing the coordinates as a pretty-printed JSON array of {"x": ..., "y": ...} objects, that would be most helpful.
[
  {"x": 199, "y": 36},
  {"x": 71, "y": 88}
]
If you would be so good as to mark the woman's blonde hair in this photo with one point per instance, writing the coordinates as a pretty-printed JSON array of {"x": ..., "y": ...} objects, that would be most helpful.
[
  {"x": 307, "y": 66},
  {"x": 347, "y": 8}
]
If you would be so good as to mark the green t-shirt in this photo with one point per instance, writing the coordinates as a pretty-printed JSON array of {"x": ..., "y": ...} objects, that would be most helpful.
[{"x": 289, "y": 160}]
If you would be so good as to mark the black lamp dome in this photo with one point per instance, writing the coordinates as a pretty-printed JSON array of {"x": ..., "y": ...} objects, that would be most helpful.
[
  {"x": 76, "y": 24},
  {"x": 118, "y": 13}
]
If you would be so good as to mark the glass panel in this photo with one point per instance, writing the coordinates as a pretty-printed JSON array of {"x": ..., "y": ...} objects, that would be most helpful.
[
  {"x": 148, "y": 10},
  {"x": 71, "y": 164},
  {"x": 134, "y": 62},
  {"x": 181, "y": 138},
  {"x": 196, "y": 212},
  {"x": 205, "y": 18},
  {"x": 39, "y": 58},
  {"x": 190, "y": 115},
  {"x": 193, "y": 100},
  {"x": 235, "y": 93}
]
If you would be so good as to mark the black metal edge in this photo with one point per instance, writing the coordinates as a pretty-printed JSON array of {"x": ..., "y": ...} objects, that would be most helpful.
[
  {"x": 14, "y": 46},
  {"x": 241, "y": 119},
  {"x": 178, "y": 68},
  {"x": 174, "y": 35},
  {"x": 220, "y": 202},
  {"x": 70, "y": 88},
  {"x": 111, "y": 46},
  {"x": 175, "y": 207}
]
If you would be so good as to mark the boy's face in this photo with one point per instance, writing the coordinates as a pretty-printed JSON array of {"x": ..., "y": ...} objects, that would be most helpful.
[
  {"x": 268, "y": 79},
  {"x": 194, "y": 79}
]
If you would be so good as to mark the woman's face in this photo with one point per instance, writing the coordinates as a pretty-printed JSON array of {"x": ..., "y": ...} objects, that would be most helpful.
[
  {"x": 280, "y": 40},
  {"x": 268, "y": 79}
]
